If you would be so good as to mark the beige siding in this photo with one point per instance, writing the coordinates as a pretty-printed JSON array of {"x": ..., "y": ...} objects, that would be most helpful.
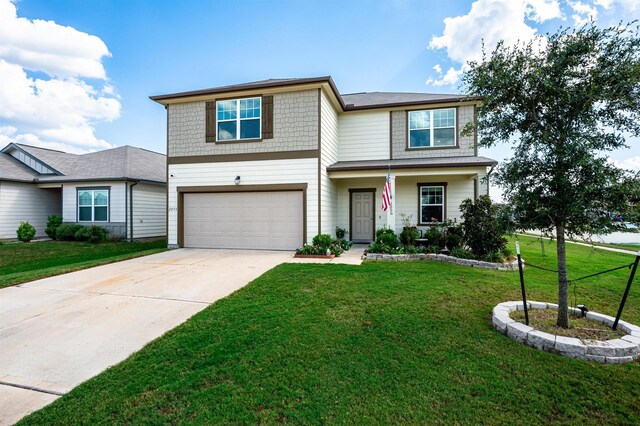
[
  {"x": 295, "y": 127},
  {"x": 364, "y": 136},
  {"x": 26, "y": 202},
  {"x": 343, "y": 199},
  {"x": 329, "y": 155},
  {"x": 458, "y": 189},
  {"x": 251, "y": 173},
  {"x": 149, "y": 210},
  {"x": 116, "y": 200}
]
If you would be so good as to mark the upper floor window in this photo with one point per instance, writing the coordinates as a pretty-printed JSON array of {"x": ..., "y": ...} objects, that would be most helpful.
[
  {"x": 93, "y": 205},
  {"x": 238, "y": 119},
  {"x": 432, "y": 128}
]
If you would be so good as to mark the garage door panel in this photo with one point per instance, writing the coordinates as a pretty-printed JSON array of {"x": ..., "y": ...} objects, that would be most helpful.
[{"x": 249, "y": 220}]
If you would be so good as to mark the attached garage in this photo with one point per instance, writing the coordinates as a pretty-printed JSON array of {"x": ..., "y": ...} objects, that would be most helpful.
[{"x": 259, "y": 220}]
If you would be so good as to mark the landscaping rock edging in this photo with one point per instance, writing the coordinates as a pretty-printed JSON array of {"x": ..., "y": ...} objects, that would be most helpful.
[
  {"x": 614, "y": 351},
  {"x": 508, "y": 266}
]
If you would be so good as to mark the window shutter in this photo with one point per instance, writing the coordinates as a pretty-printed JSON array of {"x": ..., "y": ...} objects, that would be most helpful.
[
  {"x": 267, "y": 117},
  {"x": 211, "y": 122}
]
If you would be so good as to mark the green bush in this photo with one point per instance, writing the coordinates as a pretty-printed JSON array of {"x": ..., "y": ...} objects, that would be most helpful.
[
  {"x": 453, "y": 237},
  {"x": 494, "y": 257},
  {"x": 432, "y": 249},
  {"x": 483, "y": 226},
  {"x": 26, "y": 232},
  {"x": 340, "y": 233},
  {"x": 388, "y": 237},
  {"x": 323, "y": 241},
  {"x": 344, "y": 244},
  {"x": 376, "y": 247},
  {"x": 433, "y": 237},
  {"x": 53, "y": 222},
  {"x": 67, "y": 232},
  {"x": 409, "y": 235},
  {"x": 310, "y": 250},
  {"x": 462, "y": 253},
  {"x": 410, "y": 249},
  {"x": 93, "y": 234},
  {"x": 336, "y": 249}
]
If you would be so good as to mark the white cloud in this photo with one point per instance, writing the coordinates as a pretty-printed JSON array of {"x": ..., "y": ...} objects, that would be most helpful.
[
  {"x": 63, "y": 109},
  {"x": 583, "y": 13},
  {"x": 449, "y": 78},
  {"x": 437, "y": 68},
  {"x": 489, "y": 21},
  {"x": 631, "y": 163},
  {"x": 605, "y": 4}
]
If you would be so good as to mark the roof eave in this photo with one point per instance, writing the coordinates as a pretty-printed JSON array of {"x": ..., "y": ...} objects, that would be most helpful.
[
  {"x": 413, "y": 103},
  {"x": 411, "y": 166}
]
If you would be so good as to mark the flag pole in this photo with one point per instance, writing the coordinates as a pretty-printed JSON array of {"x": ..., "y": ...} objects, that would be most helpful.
[{"x": 390, "y": 193}]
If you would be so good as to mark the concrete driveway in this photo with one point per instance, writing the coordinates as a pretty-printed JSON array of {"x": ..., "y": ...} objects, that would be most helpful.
[{"x": 57, "y": 332}]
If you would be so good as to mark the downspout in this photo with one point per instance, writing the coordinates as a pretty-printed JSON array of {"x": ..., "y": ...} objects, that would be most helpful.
[
  {"x": 131, "y": 211},
  {"x": 126, "y": 209},
  {"x": 488, "y": 178}
]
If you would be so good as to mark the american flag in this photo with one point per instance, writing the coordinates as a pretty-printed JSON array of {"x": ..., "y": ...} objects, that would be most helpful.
[{"x": 386, "y": 193}]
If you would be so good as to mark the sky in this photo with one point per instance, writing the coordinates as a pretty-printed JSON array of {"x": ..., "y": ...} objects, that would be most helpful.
[{"x": 77, "y": 75}]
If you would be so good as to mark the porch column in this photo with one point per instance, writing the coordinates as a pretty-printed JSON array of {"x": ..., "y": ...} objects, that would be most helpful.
[{"x": 391, "y": 212}]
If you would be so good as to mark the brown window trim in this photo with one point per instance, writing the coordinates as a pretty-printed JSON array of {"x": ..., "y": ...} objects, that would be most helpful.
[
  {"x": 211, "y": 120},
  {"x": 446, "y": 199},
  {"x": 429, "y": 148}
]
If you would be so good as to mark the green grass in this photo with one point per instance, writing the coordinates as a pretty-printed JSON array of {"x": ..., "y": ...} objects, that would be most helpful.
[
  {"x": 382, "y": 343},
  {"x": 20, "y": 262}
]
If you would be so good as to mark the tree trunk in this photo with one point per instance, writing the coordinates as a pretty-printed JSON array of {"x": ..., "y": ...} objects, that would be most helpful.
[{"x": 563, "y": 285}]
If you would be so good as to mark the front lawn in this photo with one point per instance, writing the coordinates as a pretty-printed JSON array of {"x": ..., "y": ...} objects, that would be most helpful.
[
  {"x": 22, "y": 262},
  {"x": 385, "y": 342}
]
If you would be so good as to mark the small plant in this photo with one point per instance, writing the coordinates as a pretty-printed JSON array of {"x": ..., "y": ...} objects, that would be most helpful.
[
  {"x": 53, "y": 222},
  {"x": 432, "y": 249},
  {"x": 494, "y": 257},
  {"x": 341, "y": 233},
  {"x": 26, "y": 232},
  {"x": 388, "y": 237},
  {"x": 67, "y": 232},
  {"x": 433, "y": 235},
  {"x": 336, "y": 249},
  {"x": 409, "y": 235},
  {"x": 410, "y": 249},
  {"x": 323, "y": 241},
  {"x": 345, "y": 244},
  {"x": 462, "y": 253},
  {"x": 376, "y": 247},
  {"x": 93, "y": 234}
]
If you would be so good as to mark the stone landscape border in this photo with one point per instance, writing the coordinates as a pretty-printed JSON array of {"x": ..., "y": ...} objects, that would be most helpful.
[
  {"x": 507, "y": 266},
  {"x": 615, "y": 351}
]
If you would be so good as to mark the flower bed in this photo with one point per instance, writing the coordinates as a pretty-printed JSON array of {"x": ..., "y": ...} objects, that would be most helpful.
[
  {"x": 614, "y": 351},
  {"x": 507, "y": 266}
]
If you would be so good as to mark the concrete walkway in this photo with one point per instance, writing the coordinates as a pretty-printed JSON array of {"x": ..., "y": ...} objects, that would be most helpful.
[{"x": 57, "y": 332}]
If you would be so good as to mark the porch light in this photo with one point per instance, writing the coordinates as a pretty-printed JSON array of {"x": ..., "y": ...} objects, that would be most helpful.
[{"x": 237, "y": 180}]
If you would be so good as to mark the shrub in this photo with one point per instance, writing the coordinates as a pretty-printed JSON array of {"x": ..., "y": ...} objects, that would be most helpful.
[
  {"x": 53, "y": 222},
  {"x": 462, "y": 253},
  {"x": 345, "y": 244},
  {"x": 309, "y": 249},
  {"x": 93, "y": 234},
  {"x": 26, "y": 232},
  {"x": 336, "y": 249},
  {"x": 410, "y": 249},
  {"x": 409, "y": 235},
  {"x": 508, "y": 254},
  {"x": 379, "y": 248},
  {"x": 323, "y": 241},
  {"x": 67, "y": 232},
  {"x": 453, "y": 237},
  {"x": 434, "y": 237},
  {"x": 340, "y": 233},
  {"x": 387, "y": 236},
  {"x": 432, "y": 249},
  {"x": 483, "y": 226},
  {"x": 494, "y": 257}
]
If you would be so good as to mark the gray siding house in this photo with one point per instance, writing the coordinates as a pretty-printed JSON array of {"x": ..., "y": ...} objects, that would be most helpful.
[
  {"x": 121, "y": 189},
  {"x": 270, "y": 164}
]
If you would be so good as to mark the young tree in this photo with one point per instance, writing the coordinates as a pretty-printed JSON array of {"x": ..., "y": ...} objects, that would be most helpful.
[{"x": 563, "y": 102}]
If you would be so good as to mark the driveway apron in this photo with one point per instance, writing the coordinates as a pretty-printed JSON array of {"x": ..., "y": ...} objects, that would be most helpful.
[{"x": 57, "y": 332}]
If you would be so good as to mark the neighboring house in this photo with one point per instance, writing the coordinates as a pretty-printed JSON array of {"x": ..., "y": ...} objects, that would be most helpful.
[
  {"x": 121, "y": 189},
  {"x": 270, "y": 164}
]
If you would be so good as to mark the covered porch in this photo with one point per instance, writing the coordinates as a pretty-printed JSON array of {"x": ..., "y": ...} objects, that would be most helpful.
[{"x": 423, "y": 192}]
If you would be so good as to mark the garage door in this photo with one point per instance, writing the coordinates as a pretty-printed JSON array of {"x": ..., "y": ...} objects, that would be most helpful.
[{"x": 244, "y": 220}]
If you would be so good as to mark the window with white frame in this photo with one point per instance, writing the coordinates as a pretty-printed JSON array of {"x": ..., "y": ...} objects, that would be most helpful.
[
  {"x": 239, "y": 119},
  {"x": 432, "y": 128},
  {"x": 432, "y": 203},
  {"x": 93, "y": 205}
]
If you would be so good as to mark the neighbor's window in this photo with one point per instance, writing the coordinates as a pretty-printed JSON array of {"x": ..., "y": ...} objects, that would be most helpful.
[
  {"x": 431, "y": 204},
  {"x": 238, "y": 119},
  {"x": 432, "y": 128},
  {"x": 93, "y": 205}
]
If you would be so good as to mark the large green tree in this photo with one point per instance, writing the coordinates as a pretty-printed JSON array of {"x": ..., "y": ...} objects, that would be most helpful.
[{"x": 563, "y": 102}]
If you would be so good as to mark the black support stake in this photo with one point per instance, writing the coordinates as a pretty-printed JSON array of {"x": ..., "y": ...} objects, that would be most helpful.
[
  {"x": 626, "y": 290},
  {"x": 524, "y": 294}
]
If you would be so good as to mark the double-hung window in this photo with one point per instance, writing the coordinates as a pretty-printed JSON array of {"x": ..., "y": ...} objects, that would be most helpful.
[
  {"x": 238, "y": 119},
  {"x": 432, "y": 128},
  {"x": 431, "y": 203},
  {"x": 93, "y": 205}
]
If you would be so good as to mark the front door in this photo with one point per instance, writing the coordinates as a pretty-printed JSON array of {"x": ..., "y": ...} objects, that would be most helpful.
[{"x": 362, "y": 216}]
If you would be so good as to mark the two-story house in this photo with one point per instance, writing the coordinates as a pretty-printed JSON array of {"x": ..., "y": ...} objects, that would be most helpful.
[{"x": 270, "y": 164}]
